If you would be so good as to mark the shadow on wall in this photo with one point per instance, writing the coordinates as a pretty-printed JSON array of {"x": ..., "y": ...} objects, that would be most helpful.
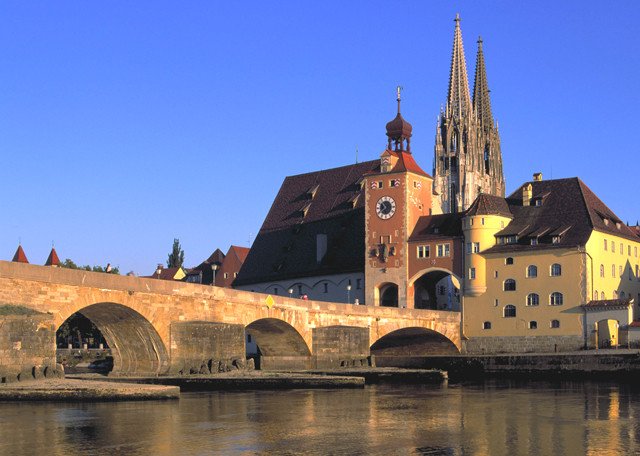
[
  {"x": 410, "y": 342},
  {"x": 135, "y": 345}
]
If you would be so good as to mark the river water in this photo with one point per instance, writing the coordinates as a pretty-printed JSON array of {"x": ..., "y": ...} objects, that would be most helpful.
[{"x": 492, "y": 418}]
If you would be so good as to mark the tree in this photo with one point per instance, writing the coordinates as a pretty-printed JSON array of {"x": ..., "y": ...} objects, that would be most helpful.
[
  {"x": 68, "y": 263},
  {"x": 176, "y": 257}
]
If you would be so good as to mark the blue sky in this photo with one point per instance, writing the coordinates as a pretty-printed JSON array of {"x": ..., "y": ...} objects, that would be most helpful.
[{"x": 126, "y": 124}]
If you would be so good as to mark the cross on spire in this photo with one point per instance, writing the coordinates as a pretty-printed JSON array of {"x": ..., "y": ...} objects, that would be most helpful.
[{"x": 458, "y": 97}]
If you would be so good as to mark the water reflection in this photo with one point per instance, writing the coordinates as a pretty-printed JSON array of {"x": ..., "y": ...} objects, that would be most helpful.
[{"x": 494, "y": 418}]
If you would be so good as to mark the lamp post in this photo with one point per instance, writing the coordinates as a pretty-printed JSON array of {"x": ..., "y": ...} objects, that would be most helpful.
[
  {"x": 158, "y": 271},
  {"x": 349, "y": 294},
  {"x": 214, "y": 268},
  {"x": 290, "y": 290}
]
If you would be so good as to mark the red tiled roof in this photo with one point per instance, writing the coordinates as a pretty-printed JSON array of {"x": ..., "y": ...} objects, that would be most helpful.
[
  {"x": 165, "y": 274},
  {"x": 568, "y": 213},
  {"x": 635, "y": 324},
  {"x": 486, "y": 204},
  {"x": 406, "y": 162},
  {"x": 19, "y": 256},
  {"x": 241, "y": 252},
  {"x": 608, "y": 303},
  {"x": 53, "y": 259}
]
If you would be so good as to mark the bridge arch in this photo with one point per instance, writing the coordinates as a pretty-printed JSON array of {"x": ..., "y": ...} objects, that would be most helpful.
[
  {"x": 414, "y": 341},
  {"x": 136, "y": 346},
  {"x": 277, "y": 340},
  {"x": 436, "y": 289}
]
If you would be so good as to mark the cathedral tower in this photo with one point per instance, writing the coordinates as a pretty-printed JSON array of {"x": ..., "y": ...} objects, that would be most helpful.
[{"x": 467, "y": 159}]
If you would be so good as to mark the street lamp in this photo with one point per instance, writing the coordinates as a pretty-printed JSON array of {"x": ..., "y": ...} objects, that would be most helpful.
[
  {"x": 290, "y": 292},
  {"x": 159, "y": 270},
  {"x": 214, "y": 268},
  {"x": 349, "y": 294}
]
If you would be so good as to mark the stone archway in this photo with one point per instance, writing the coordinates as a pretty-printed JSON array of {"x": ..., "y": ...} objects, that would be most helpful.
[
  {"x": 135, "y": 344},
  {"x": 278, "y": 344},
  {"x": 412, "y": 342},
  {"x": 388, "y": 293},
  {"x": 435, "y": 289}
]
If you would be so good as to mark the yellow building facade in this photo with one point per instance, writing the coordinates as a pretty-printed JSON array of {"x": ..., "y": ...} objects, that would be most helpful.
[{"x": 534, "y": 262}]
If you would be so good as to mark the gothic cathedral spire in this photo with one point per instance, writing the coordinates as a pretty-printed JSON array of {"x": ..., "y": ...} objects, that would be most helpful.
[{"x": 467, "y": 159}]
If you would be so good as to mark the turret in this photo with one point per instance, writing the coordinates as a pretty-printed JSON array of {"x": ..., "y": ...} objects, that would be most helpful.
[{"x": 486, "y": 217}]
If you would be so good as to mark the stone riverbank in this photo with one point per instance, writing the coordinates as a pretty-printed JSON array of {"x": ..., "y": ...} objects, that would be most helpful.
[{"x": 75, "y": 390}]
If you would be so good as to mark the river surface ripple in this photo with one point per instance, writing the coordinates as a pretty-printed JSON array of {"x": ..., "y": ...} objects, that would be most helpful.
[{"x": 492, "y": 418}]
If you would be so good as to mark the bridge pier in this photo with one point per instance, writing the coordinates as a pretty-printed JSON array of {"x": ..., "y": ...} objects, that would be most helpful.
[
  {"x": 201, "y": 347},
  {"x": 340, "y": 346}
]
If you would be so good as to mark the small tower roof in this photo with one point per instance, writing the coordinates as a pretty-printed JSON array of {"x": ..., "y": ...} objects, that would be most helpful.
[
  {"x": 458, "y": 97},
  {"x": 481, "y": 100},
  {"x": 399, "y": 130},
  {"x": 53, "y": 259},
  {"x": 20, "y": 256}
]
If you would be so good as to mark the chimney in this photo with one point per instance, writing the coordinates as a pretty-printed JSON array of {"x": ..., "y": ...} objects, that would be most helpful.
[
  {"x": 527, "y": 194},
  {"x": 537, "y": 177}
]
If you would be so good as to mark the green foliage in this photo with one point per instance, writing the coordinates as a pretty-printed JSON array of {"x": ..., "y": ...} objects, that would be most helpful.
[
  {"x": 68, "y": 263},
  {"x": 8, "y": 309},
  {"x": 176, "y": 257},
  {"x": 79, "y": 329}
]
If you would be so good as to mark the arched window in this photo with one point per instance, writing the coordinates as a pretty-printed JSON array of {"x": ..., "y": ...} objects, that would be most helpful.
[
  {"x": 533, "y": 299},
  {"x": 595, "y": 295},
  {"x": 602, "y": 295},
  {"x": 509, "y": 311},
  {"x": 486, "y": 325},
  {"x": 508, "y": 260},
  {"x": 555, "y": 323},
  {"x": 556, "y": 270},
  {"x": 509, "y": 285},
  {"x": 556, "y": 299},
  {"x": 532, "y": 271},
  {"x": 602, "y": 270}
]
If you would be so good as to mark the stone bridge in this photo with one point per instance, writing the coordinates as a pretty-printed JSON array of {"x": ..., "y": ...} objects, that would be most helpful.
[{"x": 155, "y": 327}]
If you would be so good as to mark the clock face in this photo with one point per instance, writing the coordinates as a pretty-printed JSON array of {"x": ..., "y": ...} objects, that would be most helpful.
[{"x": 385, "y": 207}]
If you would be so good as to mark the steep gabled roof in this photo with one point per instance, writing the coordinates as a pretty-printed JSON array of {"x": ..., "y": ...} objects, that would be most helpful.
[
  {"x": 286, "y": 245},
  {"x": 240, "y": 252},
  {"x": 336, "y": 188},
  {"x": 437, "y": 226},
  {"x": 19, "y": 256},
  {"x": 568, "y": 210}
]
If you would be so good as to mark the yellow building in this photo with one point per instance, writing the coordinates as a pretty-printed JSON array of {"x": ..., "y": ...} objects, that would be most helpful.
[{"x": 549, "y": 268}]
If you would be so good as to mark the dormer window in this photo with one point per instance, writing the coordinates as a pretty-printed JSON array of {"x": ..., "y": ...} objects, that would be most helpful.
[
  {"x": 534, "y": 241},
  {"x": 555, "y": 240},
  {"x": 537, "y": 202},
  {"x": 305, "y": 209},
  {"x": 311, "y": 193}
]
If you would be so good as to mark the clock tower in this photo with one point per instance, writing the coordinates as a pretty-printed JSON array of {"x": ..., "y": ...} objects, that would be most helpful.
[{"x": 395, "y": 198}]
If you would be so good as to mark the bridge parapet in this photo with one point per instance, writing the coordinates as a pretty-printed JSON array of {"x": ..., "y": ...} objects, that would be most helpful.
[{"x": 62, "y": 292}]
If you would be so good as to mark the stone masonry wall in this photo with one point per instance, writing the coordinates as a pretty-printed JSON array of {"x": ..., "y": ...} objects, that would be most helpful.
[
  {"x": 27, "y": 348},
  {"x": 200, "y": 347},
  {"x": 522, "y": 344},
  {"x": 340, "y": 346}
]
